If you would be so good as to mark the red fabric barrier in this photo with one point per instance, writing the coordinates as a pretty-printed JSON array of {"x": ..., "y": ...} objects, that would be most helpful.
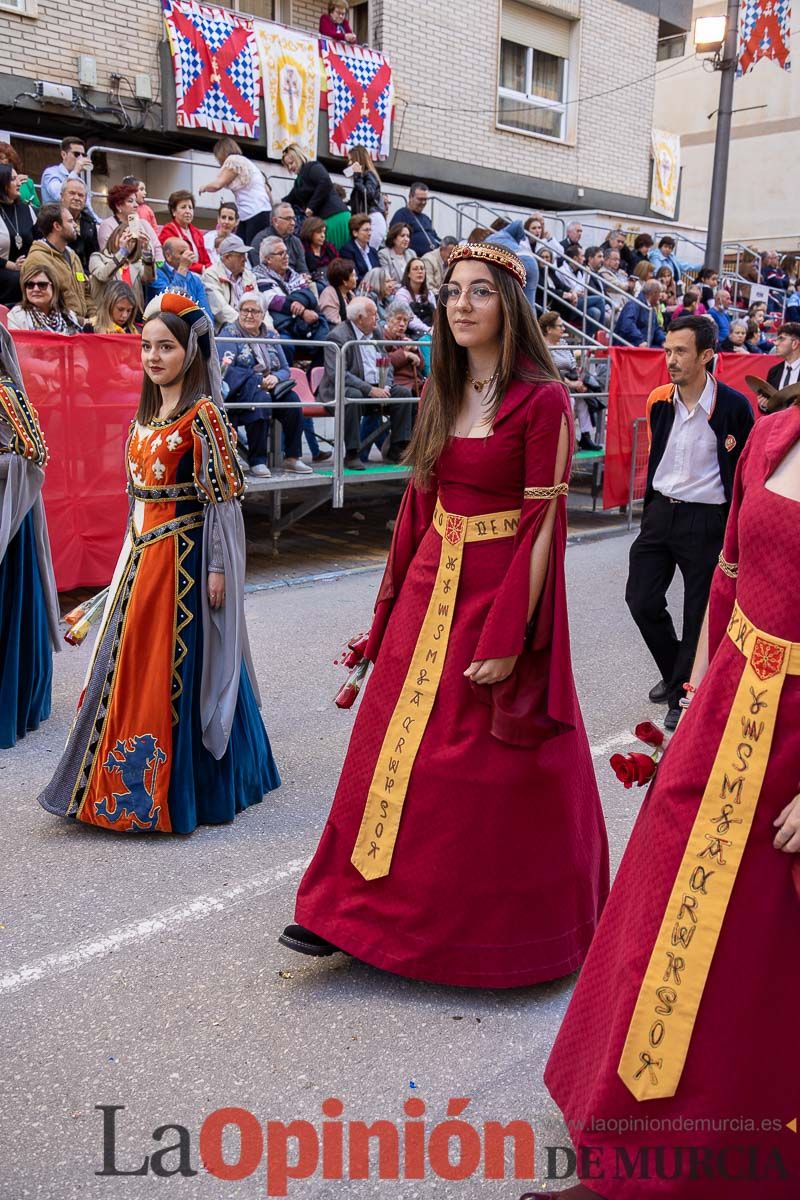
[
  {"x": 86, "y": 390},
  {"x": 732, "y": 368},
  {"x": 634, "y": 375}
]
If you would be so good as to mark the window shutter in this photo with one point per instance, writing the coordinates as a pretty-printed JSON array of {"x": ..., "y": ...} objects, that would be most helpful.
[{"x": 533, "y": 27}]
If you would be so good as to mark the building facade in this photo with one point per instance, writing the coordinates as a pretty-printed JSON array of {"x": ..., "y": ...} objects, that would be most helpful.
[
  {"x": 761, "y": 174},
  {"x": 547, "y": 104}
]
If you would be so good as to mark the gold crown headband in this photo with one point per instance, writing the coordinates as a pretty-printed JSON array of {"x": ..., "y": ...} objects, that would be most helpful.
[{"x": 496, "y": 255}]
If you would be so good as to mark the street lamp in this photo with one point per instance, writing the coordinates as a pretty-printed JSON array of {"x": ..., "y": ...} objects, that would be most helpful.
[
  {"x": 718, "y": 36},
  {"x": 709, "y": 34}
]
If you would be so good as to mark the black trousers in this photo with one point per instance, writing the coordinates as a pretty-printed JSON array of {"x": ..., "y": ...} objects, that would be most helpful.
[
  {"x": 401, "y": 420},
  {"x": 245, "y": 389},
  {"x": 687, "y": 537}
]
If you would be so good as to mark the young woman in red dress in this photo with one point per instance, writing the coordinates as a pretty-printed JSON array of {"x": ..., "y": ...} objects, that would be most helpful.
[
  {"x": 683, "y": 1023},
  {"x": 466, "y": 843}
]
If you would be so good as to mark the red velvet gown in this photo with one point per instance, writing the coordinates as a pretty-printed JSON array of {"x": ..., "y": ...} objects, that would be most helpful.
[
  {"x": 743, "y": 1059},
  {"x": 500, "y": 869}
]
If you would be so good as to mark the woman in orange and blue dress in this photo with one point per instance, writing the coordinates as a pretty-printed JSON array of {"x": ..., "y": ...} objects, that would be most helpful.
[
  {"x": 168, "y": 734},
  {"x": 28, "y": 600}
]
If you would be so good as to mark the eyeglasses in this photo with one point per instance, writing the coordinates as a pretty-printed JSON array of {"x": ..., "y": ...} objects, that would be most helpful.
[
  {"x": 38, "y": 285},
  {"x": 479, "y": 294}
]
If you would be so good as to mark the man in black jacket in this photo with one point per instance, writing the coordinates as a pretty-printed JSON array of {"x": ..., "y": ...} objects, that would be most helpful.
[
  {"x": 697, "y": 429},
  {"x": 73, "y": 197},
  {"x": 788, "y": 346}
]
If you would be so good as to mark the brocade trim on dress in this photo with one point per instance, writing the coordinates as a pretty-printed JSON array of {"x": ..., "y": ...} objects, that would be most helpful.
[
  {"x": 546, "y": 493},
  {"x": 729, "y": 569}
]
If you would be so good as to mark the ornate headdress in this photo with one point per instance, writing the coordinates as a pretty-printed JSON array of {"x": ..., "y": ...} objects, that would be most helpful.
[
  {"x": 201, "y": 333},
  {"x": 496, "y": 255},
  {"x": 8, "y": 357}
]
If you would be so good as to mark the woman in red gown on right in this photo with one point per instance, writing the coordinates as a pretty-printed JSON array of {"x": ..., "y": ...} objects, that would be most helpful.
[{"x": 684, "y": 1019}]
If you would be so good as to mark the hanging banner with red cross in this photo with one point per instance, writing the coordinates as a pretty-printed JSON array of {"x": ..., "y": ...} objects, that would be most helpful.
[
  {"x": 360, "y": 98},
  {"x": 215, "y": 62},
  {"x": 764, "y": 30}
]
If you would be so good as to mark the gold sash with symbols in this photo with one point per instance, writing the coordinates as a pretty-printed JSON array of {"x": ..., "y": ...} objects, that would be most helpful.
[
  {"x": 372, "y": 855},
  {"x": 666, "y": 1010}
]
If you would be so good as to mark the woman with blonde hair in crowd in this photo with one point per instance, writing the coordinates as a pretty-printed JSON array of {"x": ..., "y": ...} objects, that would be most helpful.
[
  {"x": 252, "y": 193},
  {"x": 366, "y": 196},
  {"x": 117, "y": 310},
  {"x": 128, "y": 257},
  {"x": 670, "y": 289},
  {"x": 642, "y": 273},
  {"x": 42, "y": 307},
  {"x": 313, "y": 194}
]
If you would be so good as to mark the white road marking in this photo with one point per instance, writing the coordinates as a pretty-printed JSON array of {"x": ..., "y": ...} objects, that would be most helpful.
[
  {"x": 626, "y": 738},
  {"x": 180, "y": 914}
]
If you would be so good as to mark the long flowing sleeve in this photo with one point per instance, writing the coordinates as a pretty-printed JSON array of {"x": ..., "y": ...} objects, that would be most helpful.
[
  {"x": 723, "y": 585},
  {"x": 220, "y": 485},
  {"x": 537, "y": 700},
  {"x": 414, "y": 518},
  {"x": 23, "y": 457}
]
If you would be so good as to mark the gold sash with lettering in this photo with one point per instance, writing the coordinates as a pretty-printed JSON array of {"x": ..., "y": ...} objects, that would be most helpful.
[
  {"x": 666, "y": 1010},
  {"x": 372, "y": 855}
]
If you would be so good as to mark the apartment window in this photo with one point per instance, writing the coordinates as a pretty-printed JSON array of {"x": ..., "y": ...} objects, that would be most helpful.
[
  {"x": 359, "y": 20},
  {"x": 23, "y": 8},
  {"x": 252, "y": 8},
  {"x": 673, "y": 46},
  {"x": 534, "y": 70}
]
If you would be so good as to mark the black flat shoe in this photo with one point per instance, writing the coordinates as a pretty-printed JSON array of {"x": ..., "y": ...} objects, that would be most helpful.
[
  {"x": 658, "y": 694},
  {"x": 671, "y": 720},
  {"x": 296, "y": 937}
]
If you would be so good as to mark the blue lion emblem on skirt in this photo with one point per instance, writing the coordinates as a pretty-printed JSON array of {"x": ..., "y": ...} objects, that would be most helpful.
[{"x": 135, "y": 764}]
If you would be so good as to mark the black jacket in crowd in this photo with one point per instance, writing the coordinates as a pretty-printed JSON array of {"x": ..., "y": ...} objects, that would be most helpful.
[
  {"x": 731, "y": 419},
  {"x": 313, "y": 188},
  {"x": 86, "y": 243}
]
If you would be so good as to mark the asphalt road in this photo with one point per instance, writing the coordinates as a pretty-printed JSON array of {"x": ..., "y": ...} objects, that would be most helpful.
[{"x": 144, "y": 972}]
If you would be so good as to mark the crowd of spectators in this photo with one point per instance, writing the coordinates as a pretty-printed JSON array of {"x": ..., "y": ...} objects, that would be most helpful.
[{"x": 324, "y": 265}]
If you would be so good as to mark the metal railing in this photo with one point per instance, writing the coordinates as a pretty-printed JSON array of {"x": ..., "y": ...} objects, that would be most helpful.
[
  {"x": 639, "y": 459},
  {"x": 336, "y": 482},
  {"x": 581, "y": 309}
]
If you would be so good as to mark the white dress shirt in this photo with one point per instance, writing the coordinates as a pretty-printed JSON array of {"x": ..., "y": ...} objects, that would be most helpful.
[
  {"x": 369, "y": 356},
  {"x": 689, "y": 470},
  {"x": 791, "y": 374}
]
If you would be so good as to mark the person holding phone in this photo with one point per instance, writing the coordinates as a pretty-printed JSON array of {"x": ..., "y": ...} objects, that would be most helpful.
[
  {"x": 74, "y": 164},
  {"x": 124, "y": 205}
]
